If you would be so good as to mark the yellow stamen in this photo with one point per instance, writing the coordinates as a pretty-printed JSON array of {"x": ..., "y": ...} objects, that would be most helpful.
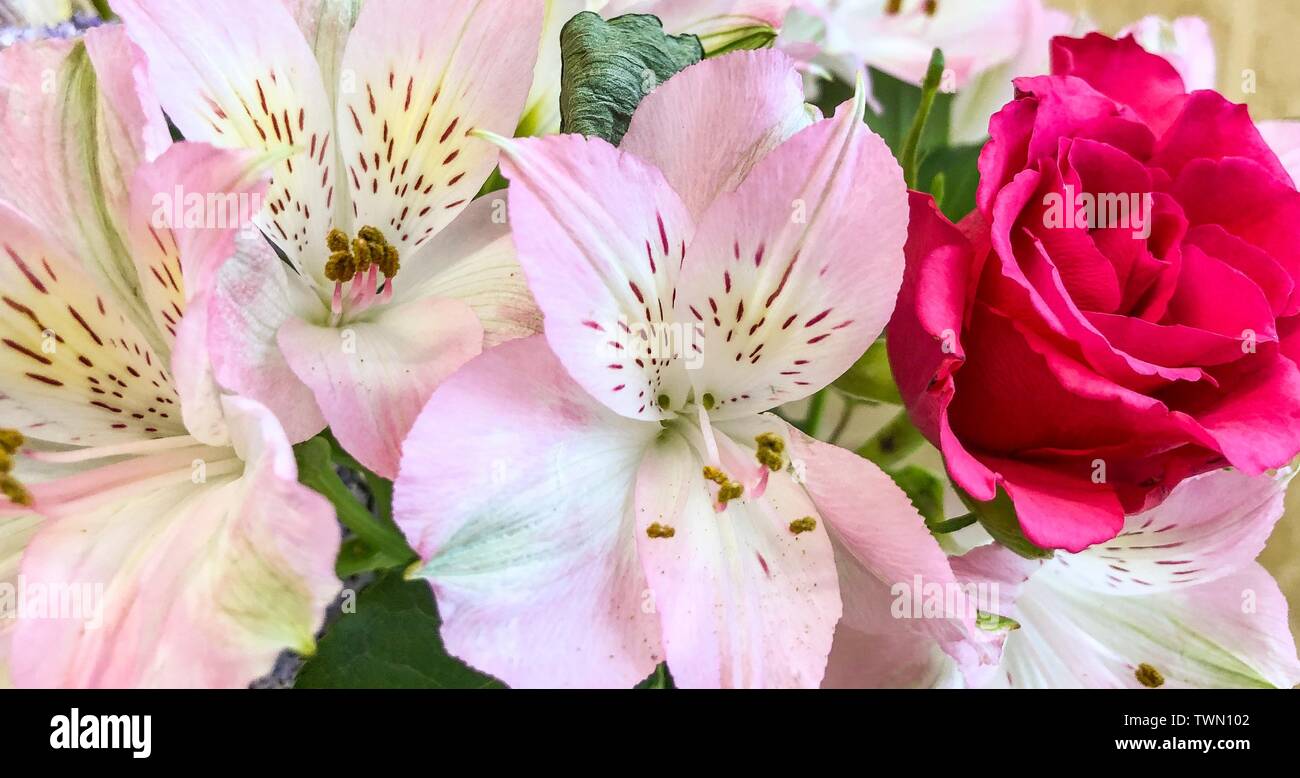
[
  {"x": 931, "y": 7},
  {"x": 1148, "y": 676},
  {"x": 894, "y": 7},
  {"x": 771, "y": 448},
  {"x": 806, "y": 524},
  {"x": 352, "y": 258},
  {"x": 728, "y": 490},
  {"x": 11, "y": 441},
  {"x": 6, "y": 462},
  {"x": 15, "y": 491},
  {"x": 659, "y": 531}
]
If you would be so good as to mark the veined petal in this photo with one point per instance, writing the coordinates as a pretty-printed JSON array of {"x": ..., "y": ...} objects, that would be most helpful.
[
  {"x": 881, "y": 536},
  {"x": 792, "y": 276},
  {"x": 474, "y": 261},
  {"x": 253, "y": 295},
  {"x": 1210, "y": 526},
  {"x": 78, "y": 120},
  {"x": 239, "y": 74},
  {"x": 706, "y": 127},
  {"x": 524, "y": 523},
  {"x": 81, "y": 372},
  {"x": 199, "y": 584},
  {"x": 372, "y": 378},
  {"x": 424, "y": 82},
  {"x": 601, "y": 237},
  {"x": 186, "y": 208},
  {"x": 1231, "y": 632},
  {"x": 744, "y": 599}
]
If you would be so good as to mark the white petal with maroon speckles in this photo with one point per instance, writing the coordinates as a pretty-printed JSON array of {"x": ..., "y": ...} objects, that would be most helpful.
[
  {"x": 423, "y": 82},
  {"x": 239, "y": 74},
  {"x": 601, "y": 237},
  {"x": 80, "y": 370},
  {"x": 794, "y": 275},
  {"x": 1208, "y": 527}
]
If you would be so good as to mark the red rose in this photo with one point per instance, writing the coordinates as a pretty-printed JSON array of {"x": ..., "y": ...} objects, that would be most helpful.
[{"x": 1120, "y": 311}]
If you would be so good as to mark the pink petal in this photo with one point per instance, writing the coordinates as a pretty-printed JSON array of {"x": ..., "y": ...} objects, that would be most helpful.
[
  {"x": 203, "y": 585},
  {"x": 885, "y": 548},
  {"x": 257, "y": 86},
  {"x": 70, "y": 172},
  {"x": 744, "y": 600},
  {"x": 84, "y": 367},
  {"x": 252, "y": 297},
  {"x": 372, "y": 378},
  {"x": 792, "y": 277},
  {"x": 524, "y": 523},
  {"x": 707, "y": 126},
  {"x": 601, "y": 237},
  {"x": 1125, "y": 72}
]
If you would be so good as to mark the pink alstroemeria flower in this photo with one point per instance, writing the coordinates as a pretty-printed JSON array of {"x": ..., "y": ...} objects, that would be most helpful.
[
  {"x": 1176, "y": 600},
  {"x": 172, "y": 510},
  {"x": 585, "y": 504},
  {"x": 381, "y": 115}
]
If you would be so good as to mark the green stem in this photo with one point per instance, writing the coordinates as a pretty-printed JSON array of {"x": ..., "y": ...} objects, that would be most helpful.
[
  {"x": 910, "y": 157},
  {"x": 316, "y": 471},
  {"x": 816, "y": 408},
  {"x": 102, "y": 8},
  {"x": 952, "y": 525},
  {"x": 893, "y": 443}
]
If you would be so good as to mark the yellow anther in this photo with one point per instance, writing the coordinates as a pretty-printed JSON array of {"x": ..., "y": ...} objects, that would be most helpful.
[
  {"x": 806, "y": 524},
  {"x": 337, "y": 240},
  {"x": 6, "y": 462},
  {"x": 1148, "y": 676},
  {"x": 15, "y": 491},
  {"x": 352, "y": 258},
  {"x": 771, "y": 448},
  {"x": 931, "y": 7},
  {"x": 11, "y": 441},
  {"x": 728, "y": 490},
  {"x": 894, "y": 7},
  {"x": 709, "y": 401},
  {"x": 659, "y": 531}
]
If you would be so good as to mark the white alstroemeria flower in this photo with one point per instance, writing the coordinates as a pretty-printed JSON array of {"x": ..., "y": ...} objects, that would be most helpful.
[
  {"x": 985, "y": 45},
  {"x": 1176, "y": 600},
  {"x": 380, "y": 106},
  {"x": 170, "y": 509}
]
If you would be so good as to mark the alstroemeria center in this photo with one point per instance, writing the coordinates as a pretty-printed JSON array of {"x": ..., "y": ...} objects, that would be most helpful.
[
  {"x": 10, "y": 442},
  {"x": 359, "y": 262}
]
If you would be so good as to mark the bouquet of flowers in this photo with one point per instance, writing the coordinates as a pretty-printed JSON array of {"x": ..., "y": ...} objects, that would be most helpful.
[{"x": 739, "y": 343}]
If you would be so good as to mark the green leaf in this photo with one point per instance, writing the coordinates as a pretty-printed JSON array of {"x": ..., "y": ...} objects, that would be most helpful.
[
  {"x": 609, "y": 66},
  {"x": 661, "y": 678},
  {"x": 392, "y": 641},
  {"x": 758, "y": 36},
  {"x": 998, "y": 517},
  {"x": 958, "y": 169},
  {"x": 870, "y": 378},
  {"x": 924, "y": 489}
]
